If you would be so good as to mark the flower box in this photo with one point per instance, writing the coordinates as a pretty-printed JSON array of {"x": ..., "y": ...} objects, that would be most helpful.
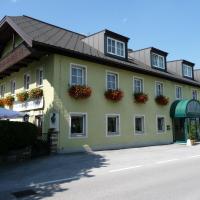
[
  {"x": 9, "y": 100},
  {"x": 114, "y": 95},
  {"x": 140, "y": 97},
  {"x": 162, "y": 100},
  {"x": 2, "y": 103},
  {"x": 80, "y": 91},
  {"x": 23, "y": 96},
  {"x": 35, "y": 93}
]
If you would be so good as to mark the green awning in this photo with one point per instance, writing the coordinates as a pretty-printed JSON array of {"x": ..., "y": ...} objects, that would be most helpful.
[{"x": 185, "y": 108}]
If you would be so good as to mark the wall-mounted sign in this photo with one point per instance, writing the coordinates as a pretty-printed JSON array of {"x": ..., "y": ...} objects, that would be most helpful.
[
  {"x": 168, "y": 128},
  {"x": 29, "y": 105},
  {"x": 54, "y": 121}
]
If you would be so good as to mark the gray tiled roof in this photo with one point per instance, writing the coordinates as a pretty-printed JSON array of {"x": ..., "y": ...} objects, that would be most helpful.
[{"x": 54, "y": 36}]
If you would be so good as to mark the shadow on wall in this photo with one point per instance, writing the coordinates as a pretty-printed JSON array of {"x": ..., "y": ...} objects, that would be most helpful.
[{"x": 45, "y": 175}]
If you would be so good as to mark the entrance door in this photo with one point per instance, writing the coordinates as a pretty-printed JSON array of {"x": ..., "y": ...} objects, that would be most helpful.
[
  {"x": 179, "y": 130},
  {"x": 38, "y": 123}
]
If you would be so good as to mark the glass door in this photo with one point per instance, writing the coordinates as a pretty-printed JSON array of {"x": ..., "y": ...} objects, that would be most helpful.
[{"x": 179, "y": 130}]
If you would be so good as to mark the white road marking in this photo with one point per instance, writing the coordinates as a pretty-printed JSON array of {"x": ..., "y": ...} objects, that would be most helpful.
[
  {"x": 166, "y": 161},
  {"x": 195, "y": 156},
  {"x": 54, "y": 181},
  {"x": 126, "y": 168},
  {"x": 159, "y": 162}
]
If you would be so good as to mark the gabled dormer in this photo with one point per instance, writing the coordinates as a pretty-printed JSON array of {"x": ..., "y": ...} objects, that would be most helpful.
[
  {"x": 110, "y": 43},
  {"x": 182, "y": 68},
  {"x": 153, "y": 57}
]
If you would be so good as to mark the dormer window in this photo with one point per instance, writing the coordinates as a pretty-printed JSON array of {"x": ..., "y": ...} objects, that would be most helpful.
[
  {"x": 115, "y": 47},
  {"x": 158, "y": 61},
  {"x": 187, "y": 71}
]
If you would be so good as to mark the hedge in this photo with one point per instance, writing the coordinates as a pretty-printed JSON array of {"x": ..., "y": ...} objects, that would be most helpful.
[{"x": 16, "y": 135}]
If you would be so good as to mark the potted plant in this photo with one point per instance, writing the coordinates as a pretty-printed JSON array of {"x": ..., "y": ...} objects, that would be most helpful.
[
  {"x": 140, "y": 97},
  {"x": 35, "y": 93},
  {"x": 114, "y": 95},
  {"x": 80, "y": 91},
  {"x": 9, "y": 100},
  {"x": 192, "y": 135},
  {"x": 2, "y": 102},
  {"x": 162, "y": 100},
  {"x": 22, "y": 96}
]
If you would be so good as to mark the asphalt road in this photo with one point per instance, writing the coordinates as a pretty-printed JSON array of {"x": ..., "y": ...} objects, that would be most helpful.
[{"x": 152, "y": 173}]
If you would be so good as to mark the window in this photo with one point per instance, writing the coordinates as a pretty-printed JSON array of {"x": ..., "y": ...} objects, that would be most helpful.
[
  {"x": 78, "y": 74},
  {"x": 115, "y": 47},
  {"x": 187, "y": 71},
  {"x": 139, "y": 124},
  {"x": 78, "y": 125},
  {"x": 178, "y": 92},
  {"x": 12, "y": 87},
  {"x": 2, "y": 90},
  {"x": 158, "y": 61},
  {"x": 194, "y": 94},
  {"x": 112, "y": 81},
  {"x": 26, "y": 81},
  {"x": 39, "y": 77},
  {"x": 159, "y": 88},
  {"x": 160, "y": 124},
  {"x": 138, "y": 85},
  {"x": 113, "y": 124}
]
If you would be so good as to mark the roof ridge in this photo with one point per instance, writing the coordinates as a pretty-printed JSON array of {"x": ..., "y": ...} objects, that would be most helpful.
[{"x": 53, "y": 25}]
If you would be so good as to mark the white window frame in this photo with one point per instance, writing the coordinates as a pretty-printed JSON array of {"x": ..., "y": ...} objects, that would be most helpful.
[
  {"x": 79, "y": 66},
  {"x": 159, "y": 56},
  {"x": 196, "y": 93},
  {"x": 161, "y": 83},
  {"x": 157, "y": 131},
  {"x": 11, "y": 86},
  {"x": 123, "y": 43},
  {"x": 186, "y": 69},
  {"x": 119, "y": 131},
  {"x": 85, "y": 125},
  {"x": 117, "y": 75},
  {"x": 4, "y": 85},
  {"x": 27, "y": 74},
  {"x": 138, "y": 78},
  {"x": 178, "y": 86},
  {"x": 134, "y": 124},
  {"x": 38, "y": 78}
]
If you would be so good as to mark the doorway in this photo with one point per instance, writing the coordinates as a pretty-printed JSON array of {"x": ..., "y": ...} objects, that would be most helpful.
[{"x": 179, "y": 130}]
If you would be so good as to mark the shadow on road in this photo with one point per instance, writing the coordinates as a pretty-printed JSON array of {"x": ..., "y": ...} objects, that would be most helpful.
[{"x": 45, "y": 175}]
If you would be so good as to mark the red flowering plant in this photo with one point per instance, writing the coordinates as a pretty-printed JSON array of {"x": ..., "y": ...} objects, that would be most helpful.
[
  {"x": 2, "y": 103},
  {"x": 80, "y": 91},
  {"x": 22, "y": 96},
  {"x": 162, "y": 100},
  {"x": 9, "y": 100},
  {"x": 114, "y": 95},
  {"x": 35, "y": 93},
  {"x": 140, "y": 97}
]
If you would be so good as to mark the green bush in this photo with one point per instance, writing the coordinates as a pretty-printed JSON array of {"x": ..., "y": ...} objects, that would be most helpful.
[{"x": 16, "y": 135}]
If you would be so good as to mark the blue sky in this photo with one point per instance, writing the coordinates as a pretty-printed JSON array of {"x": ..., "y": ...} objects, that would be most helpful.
[{"x": 170, "y": 25}]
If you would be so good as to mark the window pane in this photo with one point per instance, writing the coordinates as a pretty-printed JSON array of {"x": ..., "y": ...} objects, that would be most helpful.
[
  {"x": 161, "y": 125},
  {"x": 77, "y": 125},
  {"x": 139, "y": 124},
  {"x": 111, "y": 81},
  {"x": 138, "y": 85},
  {"x": 161, "y": 62},
  {"x": 78, "y": 76},
  {"x": 113, "y": 46},
  {"x": 113, "y": 125}
]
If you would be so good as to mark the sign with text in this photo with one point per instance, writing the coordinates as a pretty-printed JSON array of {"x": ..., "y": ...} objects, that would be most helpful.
[{"x": 29, "y": 105}]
